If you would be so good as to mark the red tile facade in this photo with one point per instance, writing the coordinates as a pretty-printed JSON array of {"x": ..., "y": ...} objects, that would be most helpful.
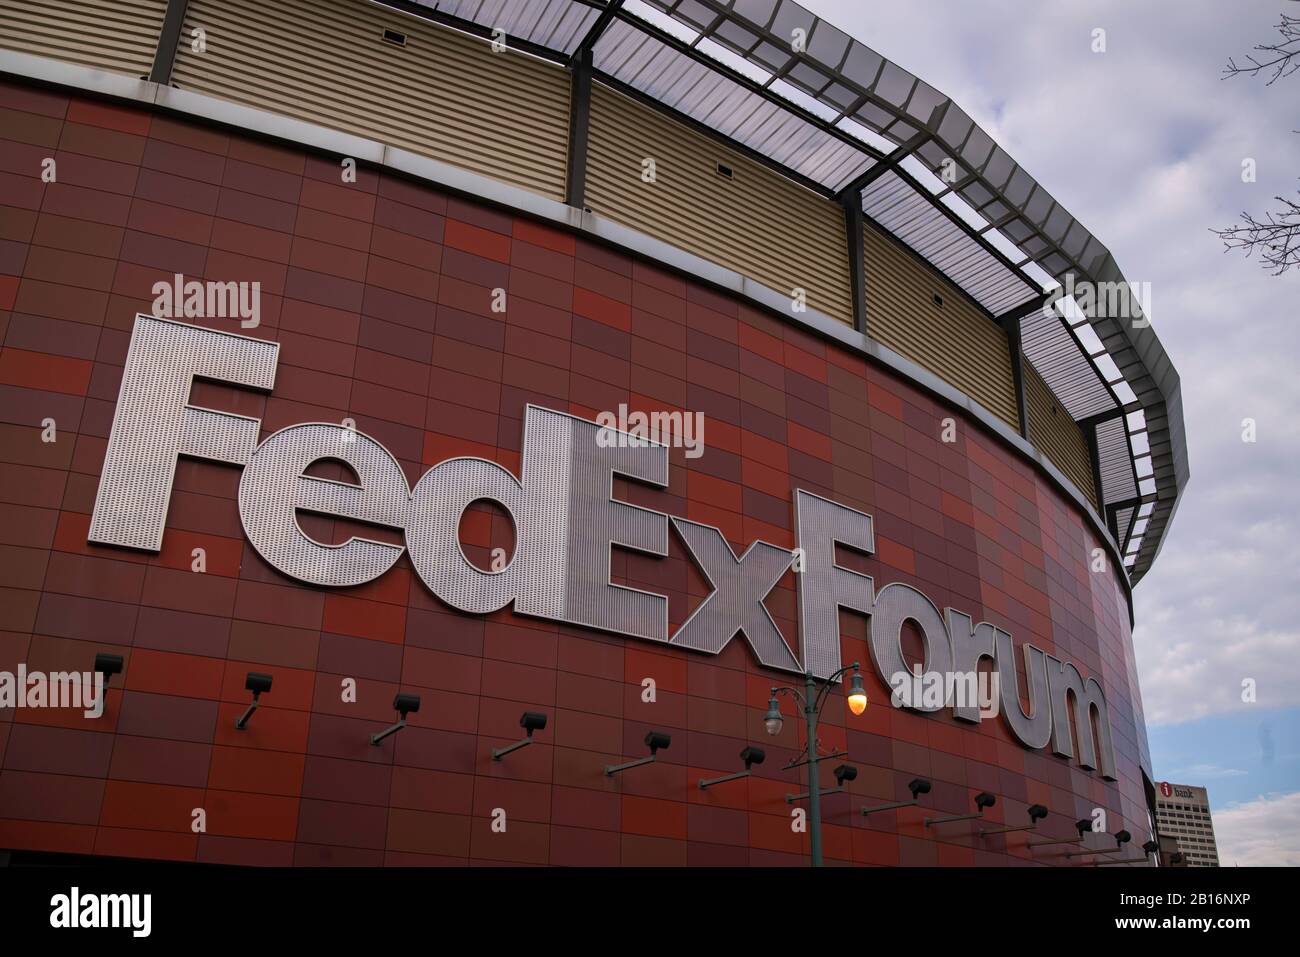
[{"x": 380, "y": 293}]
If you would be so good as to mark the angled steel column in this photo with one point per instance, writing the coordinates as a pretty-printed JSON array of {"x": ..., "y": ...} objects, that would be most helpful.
[
  {"x": 165, "y": 55},
  {"x": 575, "y": 180},
  {"x": 1107, "y": 512},
  {"x": 1094, "y": 453},
  {"x": 1010, "y": 323},
  {"x": 1011, "y": 326},
  {"x": 1100, "y": 417},
  {"x": 857, "y": 262}
]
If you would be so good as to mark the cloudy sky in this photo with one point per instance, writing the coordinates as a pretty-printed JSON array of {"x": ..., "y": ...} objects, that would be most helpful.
[{"x": 1145, "y": 143}]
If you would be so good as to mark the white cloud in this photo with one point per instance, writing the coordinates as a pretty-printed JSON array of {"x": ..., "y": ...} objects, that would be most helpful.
[
  {"x": 1261, "y": 833},
  {"x": 1200, "y": 772},
  {"x": 1144, "y": 144}
]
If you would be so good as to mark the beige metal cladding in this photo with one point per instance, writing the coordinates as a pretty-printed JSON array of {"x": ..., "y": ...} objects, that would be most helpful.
[
  {"x": 755, "y": 222},
  {"x": 115, "y": 35},
  {"x": 444, "y": 94},
  {"x": 1055, "y": 433},
  {"x": 955, "y": 341}
]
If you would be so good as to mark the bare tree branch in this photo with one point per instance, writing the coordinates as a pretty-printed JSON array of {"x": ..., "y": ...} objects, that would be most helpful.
[
  {"x": 1281, "y": 58},
  {"x": 1275, "y": 237}
]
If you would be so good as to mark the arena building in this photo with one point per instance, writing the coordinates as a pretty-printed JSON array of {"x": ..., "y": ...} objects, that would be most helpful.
[{"x": 375, "y": 374}]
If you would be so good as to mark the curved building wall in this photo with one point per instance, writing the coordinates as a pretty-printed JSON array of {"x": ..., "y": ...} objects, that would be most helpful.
[
  {"x": 917, "y": 313},
  {"x": 507, "y": 115},
  {"x": 440, "y": 93},
  {"x": 747, "y": 218},
  {"x": 379, "y": 293}
]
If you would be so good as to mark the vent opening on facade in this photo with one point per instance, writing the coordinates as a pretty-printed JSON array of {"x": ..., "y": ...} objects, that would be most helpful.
[
  {"x": 395, "y": 36},
  {"x": 725, "y": 171},
  {"x": 938, "y": 300}
]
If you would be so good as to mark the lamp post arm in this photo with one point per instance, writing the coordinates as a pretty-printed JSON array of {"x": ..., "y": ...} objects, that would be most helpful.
[
  {"x": 826, "y": 686},
  {"x": 790, "y": 691}
]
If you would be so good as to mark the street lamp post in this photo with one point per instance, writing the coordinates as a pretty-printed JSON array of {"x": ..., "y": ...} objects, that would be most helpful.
[{"x": 813, "y": 699}]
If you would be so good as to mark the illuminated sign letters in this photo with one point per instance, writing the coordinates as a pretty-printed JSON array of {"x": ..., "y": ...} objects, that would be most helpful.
[{"x": 567, "y": 522}]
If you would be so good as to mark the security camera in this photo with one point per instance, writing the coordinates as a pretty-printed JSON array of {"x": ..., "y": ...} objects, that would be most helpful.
[
  {"x": 530, "y": 721},
  {"x": 403, "y": 704},
  {"x": 654, "y": 740},
  {"x": 108, "y": 665},
  {"x": 257, "y": 682}
]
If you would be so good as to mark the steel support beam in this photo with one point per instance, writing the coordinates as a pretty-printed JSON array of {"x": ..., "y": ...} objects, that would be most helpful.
[
  {"x": 1010, "y": 323},
  {"x": 575, "y": 181},
  {"x": 1016, "y": 313},
  {"x": 165, "y": 53},
  {"x": 1094, "y": 420},
  {"x": 1016, "y": 348},
  {"x": 579, "y": 65},
  {"x": 1094, "y": 454},
  {"x": 885, "y": 165},
  {"x": 1112, "y": 521},
  {"x": 853, "y": 226},
  {"x": 589, "y": 41}
]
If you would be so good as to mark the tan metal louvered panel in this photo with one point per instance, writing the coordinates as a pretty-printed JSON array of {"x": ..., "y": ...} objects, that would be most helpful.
[
  {"x": 445, "y": 94},
  {"x": 116, "y": 35},
  {"x": 1054, "y": 433},
  {"x": 955, "y": 341},
  {"x": 758, "y": 223}
]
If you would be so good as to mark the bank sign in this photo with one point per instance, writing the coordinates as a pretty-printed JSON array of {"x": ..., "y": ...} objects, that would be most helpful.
[{"x": 566, "y": 523}]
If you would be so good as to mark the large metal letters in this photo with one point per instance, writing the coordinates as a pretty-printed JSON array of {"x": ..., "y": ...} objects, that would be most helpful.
[{"x": 566, "y": 520}]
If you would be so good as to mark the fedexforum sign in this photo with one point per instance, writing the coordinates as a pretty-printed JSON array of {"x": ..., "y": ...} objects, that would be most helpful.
[{"x": 566, "y": 523}]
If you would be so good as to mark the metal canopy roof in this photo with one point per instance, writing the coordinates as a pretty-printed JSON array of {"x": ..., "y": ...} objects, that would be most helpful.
[
  {"x": 1055, "y": 353},
  {"x": 911, "y": 216},
  {"x": 839, "y": 118},
  {"x": 683, "y": 82}
]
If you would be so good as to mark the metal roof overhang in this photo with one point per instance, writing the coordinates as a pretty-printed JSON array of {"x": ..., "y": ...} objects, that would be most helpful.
[{"x": 835, "y": 116}]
